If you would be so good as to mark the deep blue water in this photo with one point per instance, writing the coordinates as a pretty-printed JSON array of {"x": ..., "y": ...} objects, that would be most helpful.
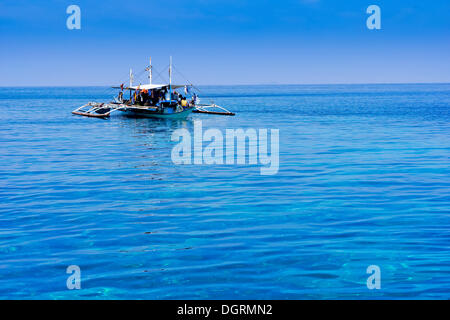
[{"x": 364, "y": 179}]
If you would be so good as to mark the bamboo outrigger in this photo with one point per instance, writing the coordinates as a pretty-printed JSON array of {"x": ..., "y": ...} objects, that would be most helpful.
[
  {"x": 97, "y": 110},
  {"x": 200, "y": 108},
  {"x": 152, "y": 101}
]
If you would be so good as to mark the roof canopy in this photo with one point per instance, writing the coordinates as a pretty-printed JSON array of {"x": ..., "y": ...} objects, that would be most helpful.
[
  {"x": 151, "y": 86},
  {"x": 155, "y": 86}
]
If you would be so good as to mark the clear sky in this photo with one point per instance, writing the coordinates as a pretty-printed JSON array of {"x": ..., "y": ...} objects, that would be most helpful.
[{"x": 225, "y": 41}]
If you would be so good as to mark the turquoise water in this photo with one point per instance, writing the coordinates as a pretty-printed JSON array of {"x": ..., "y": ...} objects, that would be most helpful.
[{"x": 364, "y": 179}]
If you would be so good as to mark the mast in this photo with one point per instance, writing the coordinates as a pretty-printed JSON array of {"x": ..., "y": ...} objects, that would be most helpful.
[
  {"x": 170, "y": 72},
  {"x": 131, "y": 77},
  {"x": 150, "y": 71},
  {"x": 170, "y": 77}
]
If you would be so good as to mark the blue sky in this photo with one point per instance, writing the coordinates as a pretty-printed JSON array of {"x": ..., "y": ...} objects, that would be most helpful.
[{"x": 225, "y": 42}]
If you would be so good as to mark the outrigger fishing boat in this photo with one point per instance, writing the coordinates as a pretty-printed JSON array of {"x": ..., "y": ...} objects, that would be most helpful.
[{"x": 152, "y": 101}]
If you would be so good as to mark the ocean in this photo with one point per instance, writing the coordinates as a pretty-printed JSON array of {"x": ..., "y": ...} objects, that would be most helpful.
[{"x": 363, "y": 180}]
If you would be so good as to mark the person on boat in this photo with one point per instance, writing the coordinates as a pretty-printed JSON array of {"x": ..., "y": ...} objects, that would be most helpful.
[
  {"x": 184, "y": 102},
  {"x": 155, "y": 97},
  {"x": 194, "y": 99},
  {"x": 144, "y": 96},
  {"x": 167, "y": 95},
  {"x": 162, "y": 94},
  {"x": 151, "y": 97},
  {"x": 137, "y": 98}
]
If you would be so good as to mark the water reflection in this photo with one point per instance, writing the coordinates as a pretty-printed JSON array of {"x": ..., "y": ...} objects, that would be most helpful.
[{"x": 146, "y": 126}]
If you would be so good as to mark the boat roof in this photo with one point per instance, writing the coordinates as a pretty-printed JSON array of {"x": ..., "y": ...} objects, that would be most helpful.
[
  {"x": 152, "y": 86},
  {"x": 155, "y": 86}
]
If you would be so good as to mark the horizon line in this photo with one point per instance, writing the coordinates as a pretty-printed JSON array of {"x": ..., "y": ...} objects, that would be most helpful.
[{"x": 240, "y": 84}]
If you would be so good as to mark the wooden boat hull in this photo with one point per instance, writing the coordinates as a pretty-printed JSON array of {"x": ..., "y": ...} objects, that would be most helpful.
[{"x": 143, "y": 113}]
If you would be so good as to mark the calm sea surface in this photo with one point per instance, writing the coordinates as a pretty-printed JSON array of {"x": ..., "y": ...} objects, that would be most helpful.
[{"x": 364, "y": 179}]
